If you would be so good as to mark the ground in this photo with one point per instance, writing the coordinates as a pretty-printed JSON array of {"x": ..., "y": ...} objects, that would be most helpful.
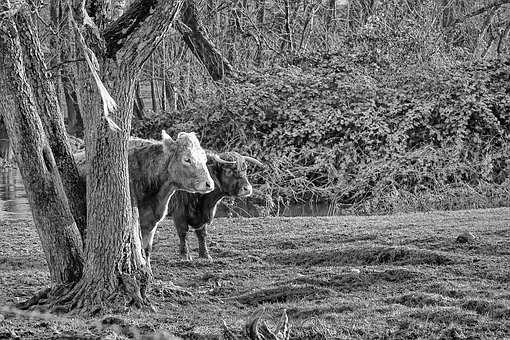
[{"x": 399, "y": 277}]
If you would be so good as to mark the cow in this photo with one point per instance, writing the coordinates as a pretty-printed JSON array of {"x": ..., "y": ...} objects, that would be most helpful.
[
  {"x": 156, "y": 170},
  {"x": 197, "y": 210}
]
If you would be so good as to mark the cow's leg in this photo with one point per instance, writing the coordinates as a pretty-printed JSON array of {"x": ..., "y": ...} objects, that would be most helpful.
[
  {"x": 182, "y": 230},
  {"x": 147, "y": 240},
  {"x": 203, "y": 252}
]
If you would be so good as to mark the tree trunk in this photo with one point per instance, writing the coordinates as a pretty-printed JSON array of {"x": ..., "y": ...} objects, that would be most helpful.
[
  {"x": 52, "y": 217},
  {"x": 118, "y": 270},
  {"x": 502, "y": 37},
  {"x": 196, "y": 39},
  {"x": 49, "y": 111},
  {"x": 261, "y": 10},
  {"x": 115, "y": 271},
  {"x": 330, "y": 15},
  {"x": 139, "y": 107},
  {"x": 163, "y": 78},
  {"x": 62, "y": 42},
  {"x": 72, "y": 97},
  {"x": 172, "y": 95},
  {"x": 287, "y": 42},
  {"x": 154, "y": 88},
  {"x": 5, "y": 145}
]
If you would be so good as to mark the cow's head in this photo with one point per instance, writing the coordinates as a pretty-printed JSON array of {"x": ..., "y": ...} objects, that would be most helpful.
[
  {"x": 187, "y": 167},
  {"x": 229, "y": 172}
]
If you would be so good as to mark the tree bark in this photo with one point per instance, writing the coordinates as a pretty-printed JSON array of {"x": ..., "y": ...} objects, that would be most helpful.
[
  {"x": 49, "y": 111},
  {"x": 502, "y": 37},
  {"x": 261, "y": 13},
  {"x": 52, "y": 217},
  {"x": 195, "y": 37},
  {"x": 330, "y": 15},
  {"x": 154, "y": 88},
  {"x": 139, "y": 107},
  {"x": 66, "y": 72},
  {"x": 5, "y": 145},
  {"x": 287, "y": 35}
]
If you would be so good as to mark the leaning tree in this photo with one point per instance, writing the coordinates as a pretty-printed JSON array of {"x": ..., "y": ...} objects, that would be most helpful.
[{"x": 95, "y": 264}]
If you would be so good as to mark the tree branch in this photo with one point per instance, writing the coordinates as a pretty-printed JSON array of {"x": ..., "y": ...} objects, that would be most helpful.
[
  {"x": 10, "y": 9},
  {"x": 132, "y": 38},
  {"x": 197, "y": 41},
  {"x": 494, "y": 5},
  {"x": 502, "y": 37}
]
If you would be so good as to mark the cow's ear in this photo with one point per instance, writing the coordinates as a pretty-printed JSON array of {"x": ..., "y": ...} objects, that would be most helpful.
[{"x": 168, "y": 142}]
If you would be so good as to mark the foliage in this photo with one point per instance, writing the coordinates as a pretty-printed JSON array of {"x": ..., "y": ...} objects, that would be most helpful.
[{"x": 346, "y": 128}]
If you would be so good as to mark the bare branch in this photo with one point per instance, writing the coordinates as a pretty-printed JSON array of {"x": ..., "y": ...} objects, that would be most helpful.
[
  {"x": 133, "y": 36},
  {"x": 10, "y": 8},
  {"x": 494, "y": 5},
  {"x": 502, "y": 37},
  {"x": 201, "y": 46}
]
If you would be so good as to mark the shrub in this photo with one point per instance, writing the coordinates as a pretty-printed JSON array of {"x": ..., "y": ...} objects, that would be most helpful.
[{"x": 346, "y": 128}]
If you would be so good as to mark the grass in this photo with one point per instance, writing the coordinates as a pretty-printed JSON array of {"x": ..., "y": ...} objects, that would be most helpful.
[{"x": 399, "y": 276}]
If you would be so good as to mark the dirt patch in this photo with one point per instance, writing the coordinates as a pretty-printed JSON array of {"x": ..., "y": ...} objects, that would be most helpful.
[
  {"x": 358, "y": 279},
  {"x": 498, "y": 310},
  {"x": 420, "y": 300},
  {"x": 361, "y": 256},
  {"x": 445, "y": 315}
]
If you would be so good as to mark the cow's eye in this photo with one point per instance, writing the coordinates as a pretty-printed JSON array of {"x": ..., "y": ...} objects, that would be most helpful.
[{"x": 187, "y": 160}]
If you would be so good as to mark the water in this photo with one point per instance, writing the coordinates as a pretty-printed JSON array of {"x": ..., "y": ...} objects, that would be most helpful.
[{"x": 13, "y": 198}]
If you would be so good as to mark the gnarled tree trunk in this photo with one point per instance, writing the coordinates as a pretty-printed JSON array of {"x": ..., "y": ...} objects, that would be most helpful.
[
  {"x": 51, "y": 116},
  {"x": 57, "y": 230},
  {"x": 115, "y": 271}
]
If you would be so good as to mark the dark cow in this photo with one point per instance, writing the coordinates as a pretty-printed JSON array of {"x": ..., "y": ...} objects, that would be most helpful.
[{"x": 198, "y": 210}]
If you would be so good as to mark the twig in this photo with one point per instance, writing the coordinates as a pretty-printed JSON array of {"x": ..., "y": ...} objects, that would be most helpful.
[{"x": 63, "y": 63}]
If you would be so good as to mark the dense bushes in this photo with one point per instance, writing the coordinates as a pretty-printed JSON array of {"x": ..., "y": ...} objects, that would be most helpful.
[{"x": 348, "y": 128}]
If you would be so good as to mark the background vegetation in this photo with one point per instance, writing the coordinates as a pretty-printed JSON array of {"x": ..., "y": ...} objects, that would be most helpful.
[{"x": 365, "y": 105}]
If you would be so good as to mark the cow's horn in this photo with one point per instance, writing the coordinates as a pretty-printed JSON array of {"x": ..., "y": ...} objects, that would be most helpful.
[
  {"x": 254, "y": 161},
  {"x": 219, "y": 159}
]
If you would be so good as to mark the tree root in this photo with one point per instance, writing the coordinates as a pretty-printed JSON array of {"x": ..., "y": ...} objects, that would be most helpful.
[
  {"x": 170, "y": 290},
  {"x": 91, "y": 298},
  {"x": 257, "y": 330}
]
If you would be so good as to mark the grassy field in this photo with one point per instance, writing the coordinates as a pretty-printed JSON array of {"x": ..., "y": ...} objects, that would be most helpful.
[{"x": 394, "y": 277}]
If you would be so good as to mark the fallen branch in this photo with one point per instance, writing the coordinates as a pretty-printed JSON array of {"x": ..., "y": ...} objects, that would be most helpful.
[{"x": 257, "y": 330}]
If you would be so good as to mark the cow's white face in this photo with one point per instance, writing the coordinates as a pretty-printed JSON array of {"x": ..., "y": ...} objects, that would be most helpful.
[
  {"x": 189, "y": 169},
  {"x": 193, "y": 154}
]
